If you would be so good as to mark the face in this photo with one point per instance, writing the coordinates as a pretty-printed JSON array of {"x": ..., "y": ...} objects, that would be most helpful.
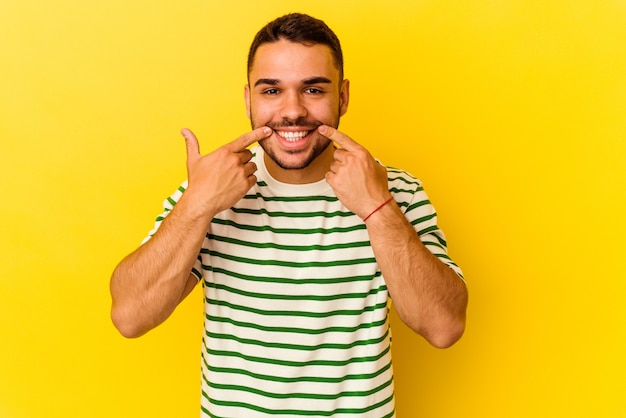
[{"x": 293, "y": 89}]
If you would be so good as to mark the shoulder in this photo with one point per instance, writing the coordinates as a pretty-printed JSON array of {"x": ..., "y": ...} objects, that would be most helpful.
[
  {"x": 399, "y": 177},
  {"x": 402, "y": 184}
]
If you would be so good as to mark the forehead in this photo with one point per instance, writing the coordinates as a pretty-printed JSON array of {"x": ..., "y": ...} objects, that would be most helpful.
[{"x": 285, "y": 60}]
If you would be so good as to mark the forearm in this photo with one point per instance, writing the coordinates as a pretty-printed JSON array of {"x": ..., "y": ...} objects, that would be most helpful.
[
  {"x": 148, "y": 284},
  {"x": 428, "y": 295}
]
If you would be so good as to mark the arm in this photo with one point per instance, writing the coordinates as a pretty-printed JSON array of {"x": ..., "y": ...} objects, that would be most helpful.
[
  {"x": 148, "y": 284},
  {"x": 428, "y": 296}
]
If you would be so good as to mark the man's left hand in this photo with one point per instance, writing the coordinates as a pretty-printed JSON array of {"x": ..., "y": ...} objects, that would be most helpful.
[{"x": 358, "y": 180}]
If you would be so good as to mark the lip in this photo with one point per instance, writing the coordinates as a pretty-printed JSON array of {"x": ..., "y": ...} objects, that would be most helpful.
[{"x": 290, "y": 138}]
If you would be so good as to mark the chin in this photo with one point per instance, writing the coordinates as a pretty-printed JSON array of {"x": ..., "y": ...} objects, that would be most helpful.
[{"x": 298, "y": 160}]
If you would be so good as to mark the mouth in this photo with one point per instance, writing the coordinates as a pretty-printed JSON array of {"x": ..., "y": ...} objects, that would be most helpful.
[{"x": 292, "y": 136}]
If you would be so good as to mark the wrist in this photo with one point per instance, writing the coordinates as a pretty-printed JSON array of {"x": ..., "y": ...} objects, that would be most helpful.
[
  {"x": 194, "y": 208},
  {"x": 378, "y": 208}
]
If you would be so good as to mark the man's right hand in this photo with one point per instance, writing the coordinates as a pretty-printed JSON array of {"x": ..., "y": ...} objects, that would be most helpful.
[
  {"x": 218, "y": 180},
  {"x": 150, "y": 282}
]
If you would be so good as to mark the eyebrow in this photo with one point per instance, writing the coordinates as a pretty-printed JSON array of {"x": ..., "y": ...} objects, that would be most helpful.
[
  {"x": 308, "y": 81},
  {"x": 317, "y": 80},
  {"x": 270, "y": 81}
]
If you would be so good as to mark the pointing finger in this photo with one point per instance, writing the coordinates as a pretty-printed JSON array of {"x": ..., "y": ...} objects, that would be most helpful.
[
  {"x": 343, "y": 140},
  {"x": 249, "y": 138}
]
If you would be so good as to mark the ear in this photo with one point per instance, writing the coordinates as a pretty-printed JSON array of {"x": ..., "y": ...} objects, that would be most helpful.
[
  {"x": 246, "y": 95},
  {"x": 344, "y": 97}
]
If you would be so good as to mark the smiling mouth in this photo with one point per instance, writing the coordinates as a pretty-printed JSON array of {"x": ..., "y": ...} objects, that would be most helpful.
[{"x": 292, "y": 136}]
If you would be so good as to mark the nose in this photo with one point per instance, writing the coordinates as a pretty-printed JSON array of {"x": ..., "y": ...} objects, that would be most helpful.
[{"x": 292, "y": 107}]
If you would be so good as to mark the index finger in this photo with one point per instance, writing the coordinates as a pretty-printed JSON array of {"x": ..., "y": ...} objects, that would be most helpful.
[
  {"x": 249, "y": 138},
  {"x": 343, "y": 140}
]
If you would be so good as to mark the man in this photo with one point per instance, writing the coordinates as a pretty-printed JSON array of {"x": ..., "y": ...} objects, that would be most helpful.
[{"x": 299, "y": 244}]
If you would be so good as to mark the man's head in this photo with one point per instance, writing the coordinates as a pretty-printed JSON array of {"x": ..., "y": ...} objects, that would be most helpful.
[
  {"x": 295, "y": 84},
  {"x": 298, "y": 28}
]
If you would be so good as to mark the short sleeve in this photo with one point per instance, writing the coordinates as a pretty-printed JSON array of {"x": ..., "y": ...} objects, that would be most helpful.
[
  {"x": 414, "y": 202},
  {"x": 168, "y": 205}
]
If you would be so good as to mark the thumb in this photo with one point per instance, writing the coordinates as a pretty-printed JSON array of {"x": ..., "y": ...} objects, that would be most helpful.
[{"x": 193, "y": 148}]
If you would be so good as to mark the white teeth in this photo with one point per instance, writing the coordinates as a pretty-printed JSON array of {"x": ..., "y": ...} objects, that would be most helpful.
[{"x": 293, "y": 136}]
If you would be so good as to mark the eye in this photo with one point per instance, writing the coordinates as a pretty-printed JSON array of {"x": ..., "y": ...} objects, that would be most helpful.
[
  {"x": 270, "y": 92},
  {"x": 313, "y": 90}
]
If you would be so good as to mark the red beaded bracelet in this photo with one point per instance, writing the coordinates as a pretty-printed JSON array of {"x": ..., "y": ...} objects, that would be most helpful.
[{"x": 378, "y": 208}]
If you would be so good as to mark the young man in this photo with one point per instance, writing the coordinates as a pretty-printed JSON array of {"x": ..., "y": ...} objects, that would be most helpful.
[{"x": 299, "y": 244}]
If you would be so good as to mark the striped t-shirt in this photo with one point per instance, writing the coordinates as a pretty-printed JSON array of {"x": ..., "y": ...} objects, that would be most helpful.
[{"x": 296, "y": 308}]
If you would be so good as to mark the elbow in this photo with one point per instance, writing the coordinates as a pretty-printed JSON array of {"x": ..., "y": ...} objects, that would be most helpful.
[
  {"x": 124, "y": 324},
  {"x": 449, "y": 327},
  {"x": 440, "y": 332},
  {"x": 126, "y": 313},
  {"x": 447, "y": 335},
  {"x": 443, "y": 331}
]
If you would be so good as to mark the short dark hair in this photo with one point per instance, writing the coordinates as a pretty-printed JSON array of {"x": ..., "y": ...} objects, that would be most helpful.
[{"x": 300, "y": 28}]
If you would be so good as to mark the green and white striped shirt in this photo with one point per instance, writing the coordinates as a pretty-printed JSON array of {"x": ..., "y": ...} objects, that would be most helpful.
[{"x": 296, "y": 308}]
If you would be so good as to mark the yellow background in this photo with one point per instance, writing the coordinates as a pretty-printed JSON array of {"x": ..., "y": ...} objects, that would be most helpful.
[{"x": 513, "y": 113}]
